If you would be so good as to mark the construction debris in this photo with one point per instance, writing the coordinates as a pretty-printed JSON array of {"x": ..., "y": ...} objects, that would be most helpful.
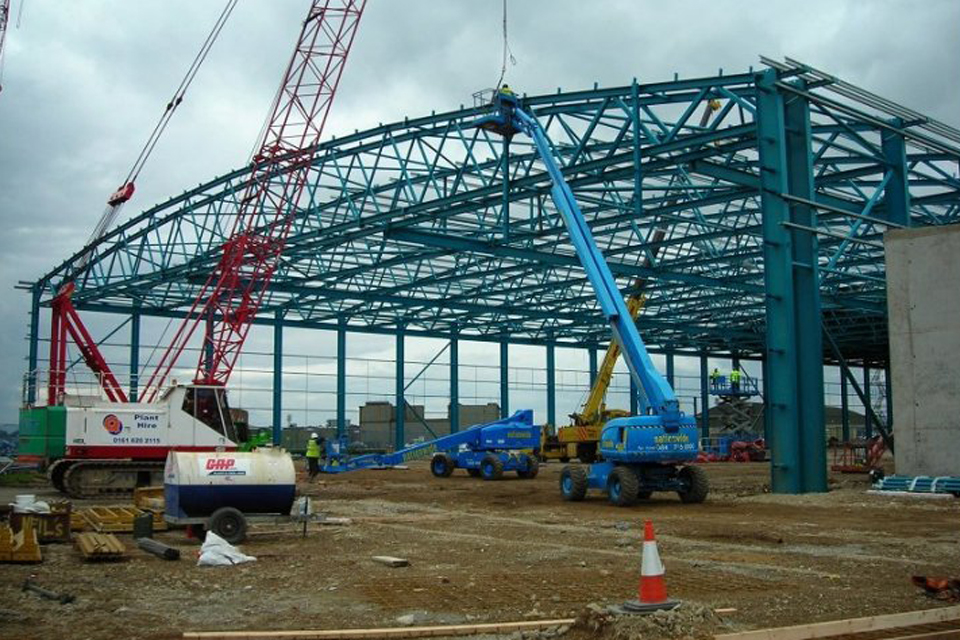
[
  {"x": 391, "y": 561},
  {"x": 63, "y": 598},
  {"x": 50, "y": 527},
  {"x": 100, "y": 546},
  {"x": 21, "y": 546},
  {"x": 685, "y": 621},
  {"x": 149, "y": 499},
  {"x": 947, "y": 589},
  {"x": 158, "y": 549},
  {"x": 111, "y": 519}
]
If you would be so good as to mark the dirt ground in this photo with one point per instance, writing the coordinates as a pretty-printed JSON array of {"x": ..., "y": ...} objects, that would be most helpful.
[{"x": 509, "y": 550}]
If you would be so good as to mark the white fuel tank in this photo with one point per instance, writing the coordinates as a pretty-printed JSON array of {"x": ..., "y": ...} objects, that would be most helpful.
[{"x": 198, "y": 483}]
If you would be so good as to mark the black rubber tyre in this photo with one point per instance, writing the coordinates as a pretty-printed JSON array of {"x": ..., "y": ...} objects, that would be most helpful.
[
  {"x": 533, "y": 468},
  {"x": 573, "y": 483},
  {"x": 622, "y": 487},
  {"x": 442, "y": 465},
  {"x": 474, "y": 473},
  {"x": 229, "y": 524},
  {"x": 491, "y": 468},
  {"x": 697, "y": 486}
]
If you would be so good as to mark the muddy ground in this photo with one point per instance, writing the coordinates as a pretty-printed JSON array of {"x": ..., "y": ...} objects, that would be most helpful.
[{"x": 510, "y": 550}]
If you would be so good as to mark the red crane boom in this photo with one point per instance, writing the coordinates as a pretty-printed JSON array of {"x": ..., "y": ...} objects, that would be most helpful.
[{"x": 234, "y": 291}]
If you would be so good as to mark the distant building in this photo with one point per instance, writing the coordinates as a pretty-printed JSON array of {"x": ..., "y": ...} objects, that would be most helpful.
[{"x": 378, "y": 422}]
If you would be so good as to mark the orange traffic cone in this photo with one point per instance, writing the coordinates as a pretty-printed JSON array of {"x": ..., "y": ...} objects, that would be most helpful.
[{"x": 652, "y": 590}]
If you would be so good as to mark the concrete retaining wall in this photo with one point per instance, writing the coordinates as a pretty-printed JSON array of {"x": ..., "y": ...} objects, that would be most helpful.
[{"x": 923, "y": 299}]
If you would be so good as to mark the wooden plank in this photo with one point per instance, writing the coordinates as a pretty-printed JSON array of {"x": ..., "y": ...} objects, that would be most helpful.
[
  {"x": 389, "y": 632},
  {"x": 391, "y": 561},
  {"x": 844, "y": 627},
  {"x": 948, "y": 634}
]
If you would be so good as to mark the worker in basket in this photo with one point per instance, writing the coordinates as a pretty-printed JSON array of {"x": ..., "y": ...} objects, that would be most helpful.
[
  {"x": 735, "y": 380},
  {"x": 506, "y": 90},
  {"x": 313, "y": 456},
  {"x": 715, "y": 378}
]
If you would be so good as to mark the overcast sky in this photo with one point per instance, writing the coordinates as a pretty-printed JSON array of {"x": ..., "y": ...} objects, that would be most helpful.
[{"x": 83, "y": 84}]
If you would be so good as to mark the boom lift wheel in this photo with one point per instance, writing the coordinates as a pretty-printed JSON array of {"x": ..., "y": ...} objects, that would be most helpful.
[
  {"x": 491, "y": 468},
  {"x": 694, "y": 478},
  {"x": 531, "y": 470},
  {"x": 573, "y": 483},
  {"x": 229, "y": 524},
  {"x": 442, "y": 465},
  {"x": 623, "y": 487}
]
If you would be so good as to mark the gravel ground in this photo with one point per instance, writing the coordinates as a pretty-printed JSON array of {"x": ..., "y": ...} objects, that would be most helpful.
[{"x": 513, "y": 550}]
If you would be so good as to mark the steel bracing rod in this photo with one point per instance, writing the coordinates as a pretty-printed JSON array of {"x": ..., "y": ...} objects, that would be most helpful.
[
  {"x": 885, "y": 432},
  {"x": 234, "y": 291}
]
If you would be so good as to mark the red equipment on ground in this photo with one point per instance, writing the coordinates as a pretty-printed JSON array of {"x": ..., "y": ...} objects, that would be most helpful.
[{"x": 861, "y": 456}]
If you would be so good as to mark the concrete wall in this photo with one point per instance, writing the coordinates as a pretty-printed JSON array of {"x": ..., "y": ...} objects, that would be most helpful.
[{"x": 923, "y": 299}]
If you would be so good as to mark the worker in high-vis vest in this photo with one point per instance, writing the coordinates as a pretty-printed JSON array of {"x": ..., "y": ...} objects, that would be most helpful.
[
  {"x": 735, "y": 380},
  {"x": 313, "y": 455}
]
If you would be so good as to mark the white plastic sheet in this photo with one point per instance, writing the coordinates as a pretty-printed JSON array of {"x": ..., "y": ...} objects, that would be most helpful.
[{"x": 217, "y": 552}]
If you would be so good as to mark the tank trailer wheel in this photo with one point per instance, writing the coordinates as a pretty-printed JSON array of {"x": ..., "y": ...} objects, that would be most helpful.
[
  {"x": 474, "y": 473},
  {"x": 533, "y": 468},
  {"x": 491, "y": 468},
  {"x": 573, "y": 483},
  {"x": 229, "y": 524},
  {"x": 623, "y": 487},
  {"x": 442, "y": 465},
  {"x": 694, "y": 478}
]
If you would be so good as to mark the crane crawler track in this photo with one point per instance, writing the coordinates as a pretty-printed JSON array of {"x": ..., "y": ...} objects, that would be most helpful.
[{"x": 96, "y": 478}]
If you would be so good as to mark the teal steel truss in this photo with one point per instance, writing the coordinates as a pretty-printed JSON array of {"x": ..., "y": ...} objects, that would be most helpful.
[{"x": 767, "y": 217}]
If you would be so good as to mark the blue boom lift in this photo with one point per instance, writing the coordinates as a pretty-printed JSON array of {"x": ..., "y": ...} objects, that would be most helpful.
[
  {"x": 484, "y": 450},
  {"x": 639, "y": 454}
]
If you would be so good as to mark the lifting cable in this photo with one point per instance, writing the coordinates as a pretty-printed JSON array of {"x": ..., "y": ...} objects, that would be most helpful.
[
  {"x": 507, "y": 53},
  {"x": 180, "y": 92},
  {"x": 125, "y": 191}
]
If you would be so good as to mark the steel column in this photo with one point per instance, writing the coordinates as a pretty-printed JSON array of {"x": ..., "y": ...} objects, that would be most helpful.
[
  {"x": 551, "y": 383},
  {"x": 793, "y": 340},
  {"x": 844, "y": 409},
  {"x": 592, "y": 353},
  {"x": 670, "y": 370},
  {"x": 767, "y": 429},
  {"x": 896, "y": 196},
  {"x": 888, "y": 395},
  {"x": 454, "y": 383},
  {"x": 34, "y": 347},
  {"x": 277, "y": 377},
  {"x": 504, "y": 377},
  {"x": 134, "y": 352},
  {"x": 341, "y": 377},
  {"x": 867, "y": 422},
  {"x": 400, "y": 400},
  {"x": 704, "y": 397},
  {"x": 634, "y": 400}
]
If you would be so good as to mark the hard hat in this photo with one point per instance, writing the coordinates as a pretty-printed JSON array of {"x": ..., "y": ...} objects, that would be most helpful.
[{"x": 313, "y": 435}]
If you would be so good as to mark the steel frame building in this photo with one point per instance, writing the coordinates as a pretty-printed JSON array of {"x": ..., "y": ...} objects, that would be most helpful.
[{"x": 768, "y": 223}]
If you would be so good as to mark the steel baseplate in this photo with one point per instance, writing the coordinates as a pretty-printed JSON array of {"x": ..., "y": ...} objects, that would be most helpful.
[{"x": 635, "y": 607}]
